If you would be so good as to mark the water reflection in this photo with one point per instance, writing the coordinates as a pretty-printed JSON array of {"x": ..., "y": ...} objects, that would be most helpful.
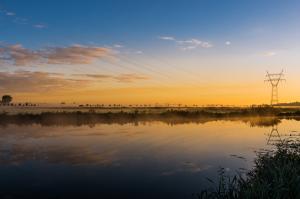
[
  {"x": 92, "y": 121},
  {"x": 110, "y": 144},
  {"x": 127, "y": 159},
  {"x": 17, "y": 154},
  {"x": 274, "y": 136}
]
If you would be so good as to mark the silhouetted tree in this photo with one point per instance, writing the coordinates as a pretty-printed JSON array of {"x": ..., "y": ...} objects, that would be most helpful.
[{"x": 6, "y": 99}]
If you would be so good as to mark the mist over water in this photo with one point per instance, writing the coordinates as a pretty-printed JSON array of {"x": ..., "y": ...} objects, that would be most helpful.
[{"x": 154, "y": 159}]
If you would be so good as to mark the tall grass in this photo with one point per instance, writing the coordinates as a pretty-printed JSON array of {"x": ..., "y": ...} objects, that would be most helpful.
[{"x": 276, "y": 174}]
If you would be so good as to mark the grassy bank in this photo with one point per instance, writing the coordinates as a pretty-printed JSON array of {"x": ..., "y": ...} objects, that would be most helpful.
[
  {"x": 182, "y": 111},
  {"x": 276, "y": 174}
]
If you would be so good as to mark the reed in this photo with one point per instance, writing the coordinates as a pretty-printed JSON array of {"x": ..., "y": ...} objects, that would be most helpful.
[{"x": 276, "y": 174}]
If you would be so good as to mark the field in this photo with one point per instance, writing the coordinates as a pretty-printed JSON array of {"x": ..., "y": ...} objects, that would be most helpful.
[{"x": 179, "y": 111}]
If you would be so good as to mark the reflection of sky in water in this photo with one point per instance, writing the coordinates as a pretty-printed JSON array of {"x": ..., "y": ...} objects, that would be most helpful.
[{"x": 132, "y": 160}]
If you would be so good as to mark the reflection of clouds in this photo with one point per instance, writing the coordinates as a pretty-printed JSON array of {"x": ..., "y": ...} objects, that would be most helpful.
[
  {"x": 129, "y": 132},
  {"x": 189, "y": 167},
  {"x": 238, "y": 156},
  {"x": 72, "y": 155},
  {"x": 36, "y": 132},
  {"x": 68, "y": 145},
  {"x": 55, "y": 145}
]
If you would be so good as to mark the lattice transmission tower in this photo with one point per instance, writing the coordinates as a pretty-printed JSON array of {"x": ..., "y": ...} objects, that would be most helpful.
[{"x": 274, "y": 79}]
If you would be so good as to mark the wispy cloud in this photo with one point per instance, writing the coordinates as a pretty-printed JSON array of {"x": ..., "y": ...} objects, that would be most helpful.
[
  {"x": 130, "y": 77},
  {"x": 138, "y": 52},
  {"x": 76, "y": 54},
  {"x": 28, "y": 81},
  {"x": 193, "y": 44},
  {"x": 189, "y": 44},
  {"x": 18, "y": 56},
  {"x": 228, "y": 43},
  {"x": 6, "y": 12},
  {"x": 118, "y": 46},
  {"x": 123, "y": 78},
  {"x": 20, "y": 20},
  {"x": 10, "y": 13},
  {"x": 94, "y": 76},
  {"x": 25, "y": 81},
  {"x": 269, "y": 53},
  {"x": 167, "y": 38},
  {"x": 40, "y": 26}
]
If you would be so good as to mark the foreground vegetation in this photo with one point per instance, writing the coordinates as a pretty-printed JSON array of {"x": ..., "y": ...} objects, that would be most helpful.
[{"x": 276, "y": 174}]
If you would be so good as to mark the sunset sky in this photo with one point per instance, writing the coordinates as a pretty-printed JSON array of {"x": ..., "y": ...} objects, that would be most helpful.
[{"x": 142, "y": 51}]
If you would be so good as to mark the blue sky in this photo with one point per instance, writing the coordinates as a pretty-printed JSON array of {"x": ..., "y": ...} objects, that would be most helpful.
[
  {"x": 162, "y": 42},
  {"x": 140, "y": 22}
]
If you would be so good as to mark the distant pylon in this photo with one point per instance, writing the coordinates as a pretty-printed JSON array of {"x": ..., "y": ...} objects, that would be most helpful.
[{"x": 274, "y": 79}]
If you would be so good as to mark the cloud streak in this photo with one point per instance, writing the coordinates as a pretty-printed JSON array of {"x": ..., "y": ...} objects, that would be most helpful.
[
  {"x": 10, "y": 13},
  {"x": 25, "y": 81},
  {"x": 77, "y": 54},
  {"x": 40, "y": 26},
  {"x": 20, "y": 20},
  {"x": 17, "y": 55},
  {"x": 123, "y": 78},
  {"x": 269, "y": 54},
  {"x": 167, "y": 38},
  {"x": 28, "y": 82},
  {"x": 189, "y": 44}
]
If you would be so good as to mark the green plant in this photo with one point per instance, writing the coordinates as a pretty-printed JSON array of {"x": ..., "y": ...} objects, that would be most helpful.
[{"x": 276, "y": 174}]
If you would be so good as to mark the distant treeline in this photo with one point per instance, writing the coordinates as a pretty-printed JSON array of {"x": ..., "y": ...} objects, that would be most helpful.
[{"x": 19, "y": 104}]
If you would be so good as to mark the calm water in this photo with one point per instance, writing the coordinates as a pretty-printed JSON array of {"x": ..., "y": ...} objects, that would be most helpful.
[{"x": 144, "y": 160}]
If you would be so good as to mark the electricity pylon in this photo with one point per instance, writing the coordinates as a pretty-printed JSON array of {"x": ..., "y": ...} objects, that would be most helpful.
[{"x": 274, "y": 79}]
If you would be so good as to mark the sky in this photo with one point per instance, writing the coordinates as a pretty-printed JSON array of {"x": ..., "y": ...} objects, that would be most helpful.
[{"x": 145, "y": 52}]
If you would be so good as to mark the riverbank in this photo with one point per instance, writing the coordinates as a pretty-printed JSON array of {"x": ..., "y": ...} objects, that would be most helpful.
[{"x": 215, "y": 111}]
